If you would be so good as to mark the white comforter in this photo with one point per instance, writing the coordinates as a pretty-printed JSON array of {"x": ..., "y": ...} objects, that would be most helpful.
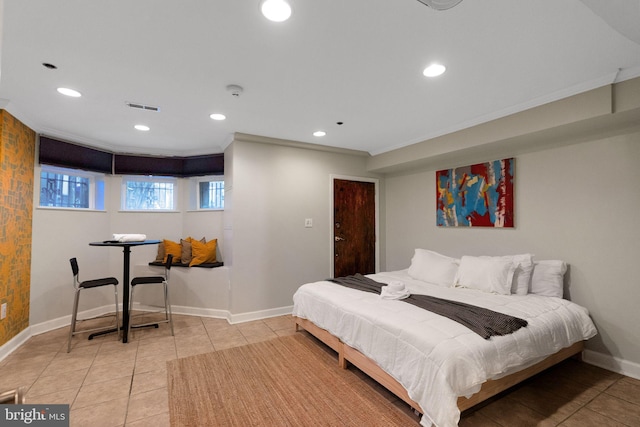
[{"x": 434, "y": 358}]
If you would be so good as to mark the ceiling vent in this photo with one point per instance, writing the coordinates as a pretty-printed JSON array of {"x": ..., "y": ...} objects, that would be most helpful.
[
  {"x": 143, "y": 107},
  {"x": 440, "y": 4}
]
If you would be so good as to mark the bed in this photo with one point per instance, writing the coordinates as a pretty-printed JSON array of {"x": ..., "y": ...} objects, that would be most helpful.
[{"x": 435, "y": 364}]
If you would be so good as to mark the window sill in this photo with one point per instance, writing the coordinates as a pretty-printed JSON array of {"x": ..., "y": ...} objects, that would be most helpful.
[
  {"x": 149, "y": 211},
  {"x": 57, "y": 208}
]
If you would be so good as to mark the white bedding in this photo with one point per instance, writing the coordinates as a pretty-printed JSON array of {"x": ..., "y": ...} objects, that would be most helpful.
[{"x": 434, "y": 358}]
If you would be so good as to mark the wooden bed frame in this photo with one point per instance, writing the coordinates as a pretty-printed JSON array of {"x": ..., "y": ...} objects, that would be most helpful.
[{"x": 347, "y": 354}]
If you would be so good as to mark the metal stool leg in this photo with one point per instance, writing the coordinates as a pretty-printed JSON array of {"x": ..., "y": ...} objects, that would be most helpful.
[
  {"x": 130, "y": 310},
  {"x": 117, "y": 312},
  {"x": 74, "y": 315},
  {"x": 167, "y": 307}
]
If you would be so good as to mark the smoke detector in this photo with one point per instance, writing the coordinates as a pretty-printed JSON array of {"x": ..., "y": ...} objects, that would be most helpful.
[
  {"x": 235, "y": 90},
  {"x": 440, "y": 4}
]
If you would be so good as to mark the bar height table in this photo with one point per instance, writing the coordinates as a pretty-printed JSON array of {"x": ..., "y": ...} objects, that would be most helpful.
[{"x": 126, "y": 249}]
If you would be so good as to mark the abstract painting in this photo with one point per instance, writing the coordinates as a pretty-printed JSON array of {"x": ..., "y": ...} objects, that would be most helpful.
[{"x": 476, "y": 196}]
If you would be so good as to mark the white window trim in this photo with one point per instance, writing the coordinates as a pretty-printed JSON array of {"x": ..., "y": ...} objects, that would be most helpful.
[
  {"x": 93, "y": 178},
  {"x": 195, "y": 190},
  {"x": 148, "y": 178}
]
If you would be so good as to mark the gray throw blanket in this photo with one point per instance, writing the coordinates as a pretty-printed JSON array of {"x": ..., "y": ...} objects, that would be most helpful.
[{"x": 482, "y": 321}]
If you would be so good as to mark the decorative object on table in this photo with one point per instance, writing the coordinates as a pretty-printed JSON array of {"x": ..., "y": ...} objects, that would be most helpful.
[
  {"x": 479, "y": 195},
  {"x": 89, "y": 284},
  {"x": 157, "y": 280},
  {"x": 129, "y": 237}
]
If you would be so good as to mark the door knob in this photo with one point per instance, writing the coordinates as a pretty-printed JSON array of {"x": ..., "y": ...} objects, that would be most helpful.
[{"x": 338, "y": 238}]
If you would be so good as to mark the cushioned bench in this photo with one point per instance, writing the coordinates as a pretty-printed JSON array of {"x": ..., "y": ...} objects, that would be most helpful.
[{"x": 205, "y": 265}]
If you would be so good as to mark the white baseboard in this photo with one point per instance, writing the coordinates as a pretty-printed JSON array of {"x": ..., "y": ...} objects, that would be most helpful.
[
  {"x": 15, "y": 342},
  {"x": 257, "y": 315},
  {"x": 221, "y": 314},
  {"x": 611, "y": 363},
  {"x": 189, "y": 311},
  {"x": 64, "y": 321}
]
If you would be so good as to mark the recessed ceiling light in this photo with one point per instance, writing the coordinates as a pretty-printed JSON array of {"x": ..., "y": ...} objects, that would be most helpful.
[
  {"x": 143, "y": 128},
  {"x": 218, "y": 116},
  {"x": 69, "y": 92},
  {"x": 434, "y": 70},
  {"x": 276, "y": 10},
  {"x": 440, "y": 4},
  {"x": 319, "y": 133}
]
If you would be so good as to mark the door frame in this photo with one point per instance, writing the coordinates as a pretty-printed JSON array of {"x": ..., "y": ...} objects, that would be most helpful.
[{"x": 376, "y": 183}]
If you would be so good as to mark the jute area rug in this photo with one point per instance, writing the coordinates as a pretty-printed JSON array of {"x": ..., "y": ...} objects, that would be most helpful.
[{"x": 288, "y": 381}]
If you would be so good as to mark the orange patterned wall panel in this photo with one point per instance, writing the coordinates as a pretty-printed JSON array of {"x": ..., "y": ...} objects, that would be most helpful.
[{"x": 17, "y": 153}]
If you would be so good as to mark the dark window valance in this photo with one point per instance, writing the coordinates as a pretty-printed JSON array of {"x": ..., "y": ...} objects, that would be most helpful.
[
  {"x": 212, "y": 164},
  {"x": 141, "y": 165},
  {"x": 65, "y": 154}
]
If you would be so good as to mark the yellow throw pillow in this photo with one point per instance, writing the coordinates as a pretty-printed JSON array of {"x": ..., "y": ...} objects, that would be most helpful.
[
  {"x": 173, "y": 248},
  {"x": 203, "y": 253}
]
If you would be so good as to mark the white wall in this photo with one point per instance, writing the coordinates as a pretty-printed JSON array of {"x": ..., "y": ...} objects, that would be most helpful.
[
  {"x": 62, "y": 234},
  {"x": 274, "y": 188},
  {"x": 578, "y": 203}
]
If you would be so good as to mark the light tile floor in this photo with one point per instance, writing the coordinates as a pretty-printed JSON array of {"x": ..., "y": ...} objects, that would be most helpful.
[
  {"x": 111, "y": 384},
  {"x": 108, "y": 383}
]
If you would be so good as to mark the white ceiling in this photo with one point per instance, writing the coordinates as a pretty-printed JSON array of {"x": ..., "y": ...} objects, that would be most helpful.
[{"x": 354, "y": 61}]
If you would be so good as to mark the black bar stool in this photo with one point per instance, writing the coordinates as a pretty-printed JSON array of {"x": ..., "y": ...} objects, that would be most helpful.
[
  {"x": 150, "y": 280},
  {"x": 89, "y": 284}
]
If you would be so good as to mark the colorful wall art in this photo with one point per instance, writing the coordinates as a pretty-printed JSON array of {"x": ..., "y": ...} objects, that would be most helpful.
[{"x": 476, "y": 196}]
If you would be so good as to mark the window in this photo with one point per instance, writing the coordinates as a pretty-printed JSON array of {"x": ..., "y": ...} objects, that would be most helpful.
[
  {"x": 210, "y": 194},
  {"x": 206, "y": 193},
  {"x": 148, "y": 193},
  {"x": 71, "y": 188}
]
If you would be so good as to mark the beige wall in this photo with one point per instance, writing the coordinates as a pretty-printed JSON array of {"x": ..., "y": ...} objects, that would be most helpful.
[
  {"x": 576, "y": 199},
  {"x": 274, "y": 188}
]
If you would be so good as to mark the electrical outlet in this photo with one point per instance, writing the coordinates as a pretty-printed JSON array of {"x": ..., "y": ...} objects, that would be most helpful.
[
  {"x": 308, "y": 223},
  {"x": 3, "y": 311}
]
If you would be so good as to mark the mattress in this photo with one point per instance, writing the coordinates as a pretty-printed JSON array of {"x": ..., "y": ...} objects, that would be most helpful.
[{"x": 436, "y": 359}]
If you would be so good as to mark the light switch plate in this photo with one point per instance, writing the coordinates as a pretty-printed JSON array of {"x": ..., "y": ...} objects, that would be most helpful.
[{"x": 308, "y": 222}]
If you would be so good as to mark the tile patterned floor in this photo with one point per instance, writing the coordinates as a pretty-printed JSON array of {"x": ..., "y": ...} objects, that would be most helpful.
[{"x": 113, "y": 385}]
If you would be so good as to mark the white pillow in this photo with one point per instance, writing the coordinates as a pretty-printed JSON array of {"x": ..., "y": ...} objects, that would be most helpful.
[
  {"x": 488, "y": 274},
  {"x": 433, "y": 267},
  {"x": 522, "y": 275},
  {"x": 548, "y": 278}
]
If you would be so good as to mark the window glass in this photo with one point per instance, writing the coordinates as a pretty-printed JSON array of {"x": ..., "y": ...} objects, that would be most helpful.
[
  {"x": 70, "y": 188},
  {"x": 211, "y": 194},
  {"x": 149, "y": 193}
]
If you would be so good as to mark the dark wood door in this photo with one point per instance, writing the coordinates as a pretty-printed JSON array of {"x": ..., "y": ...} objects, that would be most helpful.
[{"x": 354, "y": 227}]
